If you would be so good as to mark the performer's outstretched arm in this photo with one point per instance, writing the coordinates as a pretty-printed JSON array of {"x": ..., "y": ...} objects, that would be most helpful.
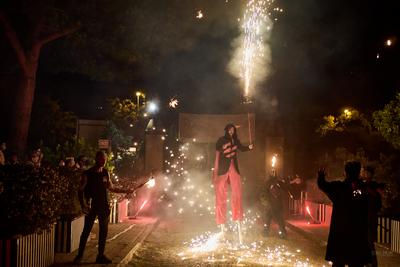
[{"x": 242, "y": 147}]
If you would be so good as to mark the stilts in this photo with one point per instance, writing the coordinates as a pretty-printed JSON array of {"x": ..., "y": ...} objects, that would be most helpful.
[
  {"x": 223, "y": 230},
  {"x": 239, "y": 227}
]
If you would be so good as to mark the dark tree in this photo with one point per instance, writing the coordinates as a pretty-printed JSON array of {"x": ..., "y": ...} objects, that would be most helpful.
[{"x": 37, "y": 27}]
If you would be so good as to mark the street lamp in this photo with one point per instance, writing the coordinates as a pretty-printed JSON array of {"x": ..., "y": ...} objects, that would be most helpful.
[
  {"x": 347, "y": 113},
  {"x": 138, "y": 95},
  {"x": 152, "y": 107}
]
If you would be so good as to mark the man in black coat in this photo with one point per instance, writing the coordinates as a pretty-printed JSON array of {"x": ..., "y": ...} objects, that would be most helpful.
[{"x": 348, "y": 234}]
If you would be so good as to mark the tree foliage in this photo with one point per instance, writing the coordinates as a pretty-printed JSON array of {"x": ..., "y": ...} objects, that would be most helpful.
[
  {"x": 387, "y": 121},
  {"x": 123, "y": 112},
  {"x": 50, "y": 125},
  {"x": 346, "y": 121}
]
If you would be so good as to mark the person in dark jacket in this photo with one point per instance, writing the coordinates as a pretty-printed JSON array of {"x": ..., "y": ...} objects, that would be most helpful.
[
  {"x": 375, "y": 191},
  {"x": 93, "y": 196},
  {"x": 348, "y": 234},
  {"x": 226, "y": 171},
  {"x": 276, "y": 189}
]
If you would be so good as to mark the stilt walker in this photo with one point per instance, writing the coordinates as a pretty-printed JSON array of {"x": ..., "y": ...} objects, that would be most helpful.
[{"x": 226, "y": 172}]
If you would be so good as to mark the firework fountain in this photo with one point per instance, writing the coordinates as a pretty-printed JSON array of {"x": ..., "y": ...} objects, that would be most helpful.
[{"x": 252, "y": 55}]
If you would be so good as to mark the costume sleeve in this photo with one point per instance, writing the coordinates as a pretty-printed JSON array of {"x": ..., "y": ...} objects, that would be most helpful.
[
  {"x": 216, "y": 164},
  {"x": 242, "y": 147}
]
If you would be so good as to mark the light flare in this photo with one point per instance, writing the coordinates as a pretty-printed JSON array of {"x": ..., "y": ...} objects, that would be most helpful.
[
  {"x": 151, "y": 183},
  {"x": 273, "y": 161}
]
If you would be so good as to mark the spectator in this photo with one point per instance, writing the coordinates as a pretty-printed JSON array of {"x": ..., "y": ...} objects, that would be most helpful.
[
  {"x": 70, "y": 163},
  {"x": 81, "y": 164},
  {"x": 13, "y": 158},
  {"x": 348, "y": 234},
  {"x": 61, "y": 163},
  {"x": 35, "y": 158}
]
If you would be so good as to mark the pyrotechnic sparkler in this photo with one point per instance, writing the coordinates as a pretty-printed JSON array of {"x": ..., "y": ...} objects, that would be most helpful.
[
  {"x": 255, "y": 53},
  {"x": 254, "y": 26},
  {"x": 141, "y": 207},
  {"x": 151, "y": 183},
  {"x": 314, "y": 221}
]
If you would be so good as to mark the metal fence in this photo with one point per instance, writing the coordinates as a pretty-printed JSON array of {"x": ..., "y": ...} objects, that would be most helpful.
[{"x": 395, "y": 236}]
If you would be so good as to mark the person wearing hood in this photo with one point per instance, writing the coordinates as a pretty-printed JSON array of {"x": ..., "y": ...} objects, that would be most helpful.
[
  {"x": 348, "y": 233},
  {"x": 226, "y": 171},
  {"x": 276, "y": 189}
]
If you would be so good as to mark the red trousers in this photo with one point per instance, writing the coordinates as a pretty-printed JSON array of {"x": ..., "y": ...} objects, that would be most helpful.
[{"x": 221, "y": 183}]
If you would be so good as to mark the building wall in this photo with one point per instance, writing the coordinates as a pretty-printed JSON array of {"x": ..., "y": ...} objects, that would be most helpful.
[
  {"x": 91, "y": 130},
  {"x": 154, "y": 153}
]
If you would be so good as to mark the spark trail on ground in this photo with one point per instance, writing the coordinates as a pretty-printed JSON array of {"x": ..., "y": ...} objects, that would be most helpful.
[{"x": 211, "y": 248}]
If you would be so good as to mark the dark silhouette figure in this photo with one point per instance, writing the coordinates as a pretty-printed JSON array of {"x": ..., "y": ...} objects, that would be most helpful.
[
  {"x": 93, "y": 196},
  {"x": 375, "y": 191},
  {"x": 275, "y": 191},
  {"x": 348, "y": 234}
]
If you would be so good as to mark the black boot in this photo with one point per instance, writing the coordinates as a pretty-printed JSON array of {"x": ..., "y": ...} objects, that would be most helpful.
[
  {"x": 78, "y": 259},
  {"x": 102, "y": 259}
]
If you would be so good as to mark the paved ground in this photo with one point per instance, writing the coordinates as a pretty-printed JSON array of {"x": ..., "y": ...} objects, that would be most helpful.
[
  {"x": 318, "y": 233},
  {"x": 123, "y": 240},
  {"x": 194, "y": 241}
]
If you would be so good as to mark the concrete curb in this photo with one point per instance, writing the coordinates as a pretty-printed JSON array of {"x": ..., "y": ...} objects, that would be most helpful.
[
  {"x": 306, "y": 234},
  {"x": 147, "y": 231}
]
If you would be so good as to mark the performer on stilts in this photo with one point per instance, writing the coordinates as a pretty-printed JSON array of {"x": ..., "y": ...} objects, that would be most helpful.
[{"x": 226, "y": 171}]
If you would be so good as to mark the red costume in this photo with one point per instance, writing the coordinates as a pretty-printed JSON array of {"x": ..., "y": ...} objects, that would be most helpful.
[{"x": 226, "y": 171}]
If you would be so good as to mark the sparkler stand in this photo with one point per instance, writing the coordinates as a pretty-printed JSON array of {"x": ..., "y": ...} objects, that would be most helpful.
[
  {"x": 311, "y": 219},
  {"x": 248, "y": 105}
]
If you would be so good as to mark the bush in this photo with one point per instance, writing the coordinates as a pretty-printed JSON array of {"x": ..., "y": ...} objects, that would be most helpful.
[
  {"x": 70, "y": 207},
  {"x": 31, "y": 199}
]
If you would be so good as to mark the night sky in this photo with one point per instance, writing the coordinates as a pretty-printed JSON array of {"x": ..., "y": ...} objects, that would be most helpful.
[
  {"x": 321, "y": 53},
  {"x": 324, "y": 56}
]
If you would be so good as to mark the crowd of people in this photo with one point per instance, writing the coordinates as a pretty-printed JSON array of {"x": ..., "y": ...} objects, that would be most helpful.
[{"x": 36, "y": 160}]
